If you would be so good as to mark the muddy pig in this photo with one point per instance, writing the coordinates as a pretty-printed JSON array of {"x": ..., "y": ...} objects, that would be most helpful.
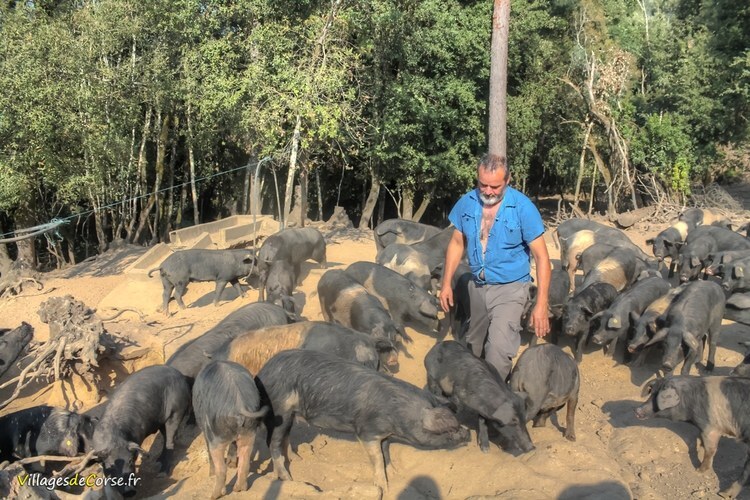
[
  {"x": 715, "y": 405},
  {"x": 332, "y": 393},
  {"x": 401, "y": 231},
  {"x": 697, "y": 312},
  {"x": 191, "y": 357},
  {"x": 44, "y": 430},
  {"x": 622, "y": 315},
  {"x": 12, "y": 342},
  {"x": 621, "y": 267},
  {"x": 280, "y": 285},
  {"x": 403, "y": 299},
  {"x": 221, "y": 266},
  {"x": 550, "y": 379},
  {"x": 453, "y": 371},
  {"x": 155, "y": 398},
  {"x": 737, "y": 276},
  {"x": 645, "y": 325},
  {"x": 559, "y": 289},
  {"x": 580, "y": 310},
  {"x": 701, "y": 243},
  {"x": 253, "y": 349},
  {"x": 344, "y": 301},
  {"x": 295, "y": 245},
  {"x": 227, "y": 409}
]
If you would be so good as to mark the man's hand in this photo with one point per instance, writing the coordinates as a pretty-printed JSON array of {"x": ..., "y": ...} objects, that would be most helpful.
[
  {"x": 446, "y": 298},
  {"x": 539, "y": 320}
]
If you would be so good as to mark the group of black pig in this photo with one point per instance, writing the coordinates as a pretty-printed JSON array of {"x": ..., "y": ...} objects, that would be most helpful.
[
  {"x": 634, "y": 304},
  {"x": 335, "y": 374}
]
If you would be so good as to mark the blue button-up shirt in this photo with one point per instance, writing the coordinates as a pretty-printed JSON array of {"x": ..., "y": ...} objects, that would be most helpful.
[{"x": 517, "y": 223}]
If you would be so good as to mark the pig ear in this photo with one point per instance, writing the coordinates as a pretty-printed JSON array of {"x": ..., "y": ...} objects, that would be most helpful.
[
  {"x": 690, "y": 340},
  {"x": 597, "y": 315},
  {"x": 587, "y": 309},
  {"x": 695, "y": 261},
  {"x": 667, "y": 398},
  {"x": 648, "y": 387},
  {"x": 739, "y": 271},
  {"x": 634, "y": 316},
  {"x": 614, "y": 322},
  {"x": 136, "y": 447},
  {"x": 650, "y": 241},
  {"x": 384, "y": 345},
  {"x": 660, "y": 335}
]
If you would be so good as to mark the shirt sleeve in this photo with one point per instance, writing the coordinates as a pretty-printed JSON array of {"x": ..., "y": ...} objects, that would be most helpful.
[
  {"x": 455, "y": 216},
  {"x": 532, "y": 225}
]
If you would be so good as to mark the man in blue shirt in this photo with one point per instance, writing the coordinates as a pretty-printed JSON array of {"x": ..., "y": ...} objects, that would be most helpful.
[{"x": 499, "y": 227}]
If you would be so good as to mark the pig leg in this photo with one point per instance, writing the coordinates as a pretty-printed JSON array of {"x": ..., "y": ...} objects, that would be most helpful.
[
  {"x": 713, "y": 339},
  {"x": 216, "y": 456},
  {"x": 220, "y": 285},
  {"x": 166, "y": 295},
  {"x": 210, "y": 457},
  {"x": 541, "y": 419},
  {"x": 581, "y": 342},
  {"x": 483, "y": 437},
  {"x": 690, "y": 358},
  {"x": 169, "y": 430},
  {"x": 244, "y": 450},
  {"x": 570, "y": 419},
  {"x": 179, "y": 290},
  {"x": 735, "y": 488},
  {"x": 710, "y": 438},
  {"x": 278, "y": 444},
  {"x": 375, "y": 452},
  {"x": 434, "y": 386},
  {"x": 236, "y": 284}
]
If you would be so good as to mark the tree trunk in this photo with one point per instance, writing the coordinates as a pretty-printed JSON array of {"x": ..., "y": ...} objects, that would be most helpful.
[
  {"x": 24, "y": 219},
  {"x": 606, "y": 174},
  {"x": 303, "y": 196},
  {"x": 99, "y": 224},
  {"x": 422, "y": 206},
  {"x": 140, "y": 187},
  {"x": 167, "y": 224},
  {"x": 582, "y": 162},
  {"x": 320, "y": 194},
  {"x": 408, "y": 204},
  {"x": 381, "y": 209},
  {"x": 191, "y": 157},
  {"x": 499, "y": 78},
  {"x": 372, "y": 199},
  {"x": 163, "y": 124},
  {"x": 292, "y": 171}
]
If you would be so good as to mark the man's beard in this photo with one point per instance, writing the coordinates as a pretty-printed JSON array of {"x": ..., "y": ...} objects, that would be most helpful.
[{"x": 490, "y": 200}]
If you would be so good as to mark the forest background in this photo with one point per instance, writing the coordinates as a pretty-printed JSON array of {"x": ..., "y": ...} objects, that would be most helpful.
[{"x": 129, "y": 119}]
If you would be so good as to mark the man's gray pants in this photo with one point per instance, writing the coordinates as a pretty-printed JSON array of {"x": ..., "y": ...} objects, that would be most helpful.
[{"x": 495, "y": 325}]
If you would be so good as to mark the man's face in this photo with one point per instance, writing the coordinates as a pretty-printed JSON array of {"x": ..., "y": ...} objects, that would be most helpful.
[{"x": 491, "y": 185}]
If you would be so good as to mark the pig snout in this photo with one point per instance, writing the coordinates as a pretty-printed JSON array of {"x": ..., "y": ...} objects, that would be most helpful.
[{"x": 727, "y": 286}]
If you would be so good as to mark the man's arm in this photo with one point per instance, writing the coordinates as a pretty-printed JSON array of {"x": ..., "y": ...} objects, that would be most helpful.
[
  {"x": 540, "y": 315},
  {"x": 453, "y": 256}
]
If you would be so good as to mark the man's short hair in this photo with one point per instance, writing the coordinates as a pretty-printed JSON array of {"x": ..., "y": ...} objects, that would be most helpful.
[{"x": 492, "y": 162}]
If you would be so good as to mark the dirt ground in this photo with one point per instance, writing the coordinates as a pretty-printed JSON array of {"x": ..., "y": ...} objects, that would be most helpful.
[{"x": 615, "y": 456}]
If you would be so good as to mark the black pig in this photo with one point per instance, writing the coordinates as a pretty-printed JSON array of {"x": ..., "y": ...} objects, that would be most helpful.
[
  {"x": 227, "y": 409},
  {"x": 191, "y": 357},
  {"x": 550, "y": 379},
  {"x": 153, "y": 399},
  {"x": 453, "y": 371},
  {"x": 715, "y": 405},
  {"x": 344, "y": 301},
  {"x": 404, "y": 300},
  {"x": 295, "y": 245},
  {"x": 221, "y": 266},
  {"x": 336, "y": 394},
  {"x": 581, "y": 309},
  {"x": 43, "y": 430}
]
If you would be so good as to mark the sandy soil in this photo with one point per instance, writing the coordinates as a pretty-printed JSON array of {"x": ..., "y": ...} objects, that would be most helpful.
[{"x": 615, "y": 456}]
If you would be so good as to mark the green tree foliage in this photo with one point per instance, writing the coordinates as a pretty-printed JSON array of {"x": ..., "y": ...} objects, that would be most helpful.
[{"x": 103, "y": 102}]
